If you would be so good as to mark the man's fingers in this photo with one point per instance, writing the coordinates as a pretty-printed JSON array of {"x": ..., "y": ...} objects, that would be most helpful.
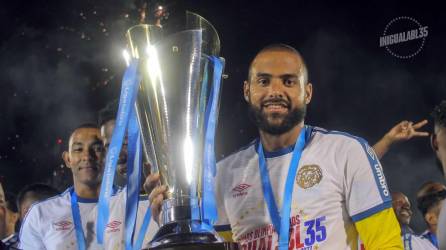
[
  {"x": 157, "y": 192},
  {"x": 420, "y": 134},
  {"x": 420, "y": 124},
  {"x": 151, "y": 181}
]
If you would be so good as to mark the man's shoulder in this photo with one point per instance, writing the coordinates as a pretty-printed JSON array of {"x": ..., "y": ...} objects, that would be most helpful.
[
  {"x": 236, "y": 158},
  {"x": 337, "y": 140},
  {"x": 52, "y": 204},
  {"x": 340, "y": 136}
]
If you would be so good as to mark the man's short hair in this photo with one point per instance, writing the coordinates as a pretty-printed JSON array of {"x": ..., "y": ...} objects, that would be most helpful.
[
  {"x": 287, "y": 48},
  {"x": 11, "y": 202},
  {"x": 428, "y": 197},
  {"x": 439, "y": 114},
  {"x": 108, "y": 113},
  {"x": 40, "y": 190}
]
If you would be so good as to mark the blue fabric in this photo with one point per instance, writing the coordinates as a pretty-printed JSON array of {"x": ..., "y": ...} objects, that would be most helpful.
[
  {"x": 431, "y": 237},
  {"x": 209, "y": 208},
  {"x": 133, "y": 178},
  {"x": 281, "y": 221},
  {"x": 142, "y": 231},
  {"x": 80, "y": 237},
  {"x": 372, "y": 211},
  {"x": 129, "y": 89}
]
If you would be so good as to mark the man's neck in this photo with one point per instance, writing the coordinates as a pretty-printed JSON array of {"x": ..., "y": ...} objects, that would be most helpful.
[
  {"x": 87, "y": 191},
  {"x": 433, "y": 229},
  {"x": 272, "y": 142}
]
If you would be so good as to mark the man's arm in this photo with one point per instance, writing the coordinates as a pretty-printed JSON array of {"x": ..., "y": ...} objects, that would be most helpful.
[
  {"x": 380, "y": 231},
  {"x": 403, "y": 131}
]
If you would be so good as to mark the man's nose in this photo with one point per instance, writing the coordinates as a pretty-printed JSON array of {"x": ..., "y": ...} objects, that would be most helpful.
[
  {"x": 276, "y": 87},
  {"x": 88, "y": 155}
]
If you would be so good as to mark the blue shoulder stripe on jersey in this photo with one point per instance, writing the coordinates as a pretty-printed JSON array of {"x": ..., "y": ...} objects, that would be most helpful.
[
  {"x": 377, "y": 171},
  {"x": 253, "y": 142},
  {"x": 222, "y": 228},
  {"x": 371, "y": 211}
]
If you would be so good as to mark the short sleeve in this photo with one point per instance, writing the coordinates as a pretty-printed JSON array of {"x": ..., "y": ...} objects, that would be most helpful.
[
  {"x": 222, "y": 225},
  {"x": 30, "y": 233},
  {"x": 365, "y": 185}
]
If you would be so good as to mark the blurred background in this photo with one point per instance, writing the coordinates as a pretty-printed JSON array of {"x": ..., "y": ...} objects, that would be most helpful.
[{"x": 60, "y": 62}]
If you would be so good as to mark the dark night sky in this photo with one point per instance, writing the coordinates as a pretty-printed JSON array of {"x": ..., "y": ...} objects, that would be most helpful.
[{"x": 61, "y": 61}]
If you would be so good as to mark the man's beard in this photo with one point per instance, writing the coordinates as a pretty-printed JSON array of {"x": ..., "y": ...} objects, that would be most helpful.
[{"x": 260, "y": 119}]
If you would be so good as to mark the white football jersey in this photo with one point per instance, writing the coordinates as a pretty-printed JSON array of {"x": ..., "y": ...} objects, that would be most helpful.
[
  {"x": 49, "y": 224},
  {"x": 416, "y": 242},
  {"x": 339, "y": 181}
]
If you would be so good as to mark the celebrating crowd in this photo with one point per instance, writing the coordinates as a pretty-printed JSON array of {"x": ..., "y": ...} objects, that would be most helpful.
[{"x": 294, "y": 187}]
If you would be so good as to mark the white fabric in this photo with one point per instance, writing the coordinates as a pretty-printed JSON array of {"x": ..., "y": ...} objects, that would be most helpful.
[
  {"x": 341, "y": 181},
  {"x": 420, "y": 243},
  {"x": 49, "y": 224}
]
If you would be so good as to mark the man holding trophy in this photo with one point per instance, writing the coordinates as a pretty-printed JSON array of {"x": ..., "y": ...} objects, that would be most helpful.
[{"x": 298, "y": 186}]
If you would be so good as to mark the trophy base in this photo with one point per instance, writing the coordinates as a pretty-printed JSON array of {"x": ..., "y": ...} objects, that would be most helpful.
[
  {"x": 179, "y": 235},
  {"x": 200, "y": 246}
]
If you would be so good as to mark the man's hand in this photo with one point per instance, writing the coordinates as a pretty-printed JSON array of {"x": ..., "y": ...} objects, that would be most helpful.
[
  {"x": 157, "y": 193},
  {"x": 403, "y": 131}
]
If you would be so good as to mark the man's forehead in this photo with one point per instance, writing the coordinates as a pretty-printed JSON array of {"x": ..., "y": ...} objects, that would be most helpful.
[
  {"x": 399, "y": 196},
  {"x": 82, "y": 135},
  {"x": 277, "y": 60},
  {"x": 107, "y": 128}
]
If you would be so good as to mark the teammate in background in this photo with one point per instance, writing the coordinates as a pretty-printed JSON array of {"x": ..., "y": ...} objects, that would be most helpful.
[
  {"x": 438, "y": 143},
  {"x": 430, "y": 198},
  {"x": 2, "y": 216},
  {"x": 339, "y": 190},
  {"x": 403, "y": 211},
  {"x": 403, "y": 131},
  {"x": 33, "y": 193},
  {"x": 106, "y": 119},
  {"x": 12, "y": 216},
  {"x": 53, "y": 224}
]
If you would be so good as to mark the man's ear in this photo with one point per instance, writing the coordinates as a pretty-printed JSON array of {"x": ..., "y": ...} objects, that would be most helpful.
[
  {"x": 66, "y": 159},
  {"x": 434, "y": 142},
  {"x": 308, "y": 92},
  {"x": 246, "y": 90},
  {"x": 431, "y": 218}
]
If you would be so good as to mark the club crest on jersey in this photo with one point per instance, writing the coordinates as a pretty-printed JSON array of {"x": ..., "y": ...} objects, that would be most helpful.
[
  {"x": 308, "y": 176},
  {"x": 240, "y": 190},
  {"x": 62, "y": 225},
  {"x": 113, "y": 226}
]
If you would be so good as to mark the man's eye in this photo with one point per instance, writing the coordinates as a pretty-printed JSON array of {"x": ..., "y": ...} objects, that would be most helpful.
[
  {"x": 262, "y": 81},
  {"x": 289, "y": 82},
  {"x": 98, "y": 148}
]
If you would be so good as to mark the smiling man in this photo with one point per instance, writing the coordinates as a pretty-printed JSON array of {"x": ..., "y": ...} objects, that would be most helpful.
[
  {"x": 298, "y": 186},
  {"x": 54, "y": 223},
  {"x": 331, "y": 183},
  {"x": 67, "y": 221},
  {"x": 402, "y": 207}
]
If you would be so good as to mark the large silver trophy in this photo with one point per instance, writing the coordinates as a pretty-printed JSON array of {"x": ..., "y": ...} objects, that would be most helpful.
[{"x": 171, "y": 106}]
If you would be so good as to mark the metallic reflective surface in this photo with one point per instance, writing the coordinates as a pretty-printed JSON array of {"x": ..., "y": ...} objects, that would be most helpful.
[{"x": 171, "y": 106}]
